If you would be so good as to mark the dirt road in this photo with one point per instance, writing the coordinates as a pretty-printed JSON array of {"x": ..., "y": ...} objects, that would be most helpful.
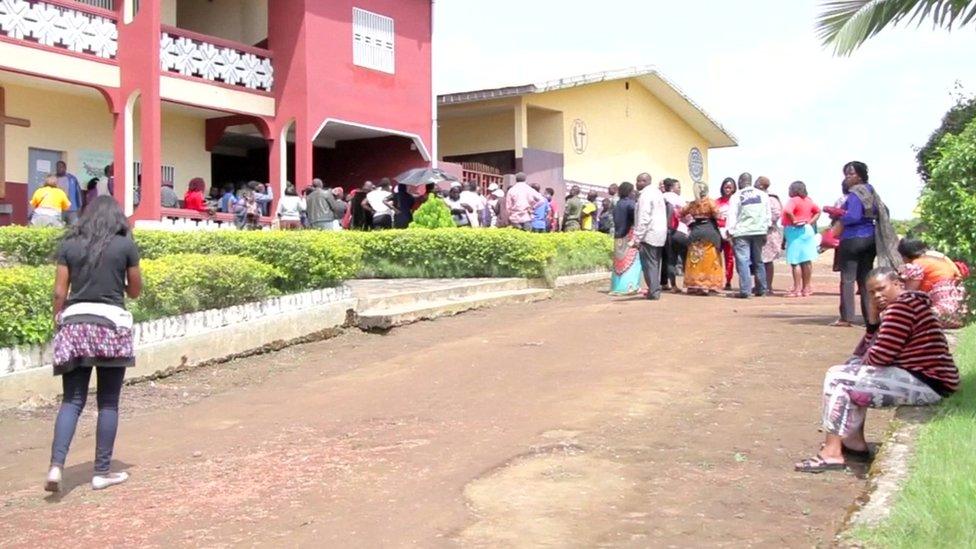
[{"x": 581, "y": 421}]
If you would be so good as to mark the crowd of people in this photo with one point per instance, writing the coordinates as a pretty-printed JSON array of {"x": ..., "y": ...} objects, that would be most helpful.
[{"x": 61, "y": 198}]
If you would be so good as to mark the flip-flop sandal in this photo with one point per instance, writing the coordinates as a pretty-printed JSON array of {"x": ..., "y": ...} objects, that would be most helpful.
[
  {"x": 856, "y": 455},
  {"x": 841, "y": 324},
  {"x": 817, "y": 465},
  {"x": 808, "y": 293},
  {"x": 792, "y": 294}
]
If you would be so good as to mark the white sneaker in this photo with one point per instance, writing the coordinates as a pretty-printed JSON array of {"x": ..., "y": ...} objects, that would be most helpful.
[
  {"x": 101, "y": 482},
  {"x": 53, "y": 483}
]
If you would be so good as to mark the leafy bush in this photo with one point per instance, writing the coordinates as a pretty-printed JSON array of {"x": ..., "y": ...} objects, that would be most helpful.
[
  {"x": 28, "y": 245},
  {"x": 948, "y": 203},
  {"x": 179, "y": 284},
  {"x": 432, "y": 214},
  {"x": 25, "y": 305},
  {"x": 953, "y": 123},
  {"x": 448, "y": 253},
  {"x": 305, "y": 259},
  {"x": 580, "y": 252}
]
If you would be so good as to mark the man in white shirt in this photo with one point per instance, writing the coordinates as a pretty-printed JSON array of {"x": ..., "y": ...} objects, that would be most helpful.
[
  {"x": 380, "y": 203},
  {"x": 470, "y": 196},
  {"x": 650, "y": 233},
  {"x": 677, "y": 245}
]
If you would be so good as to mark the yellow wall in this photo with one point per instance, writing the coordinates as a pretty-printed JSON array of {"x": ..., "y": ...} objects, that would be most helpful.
[
  {"x": 59, "y": 122},
  {"x": 545, "y": 130},
  {"x": 477, "y": 134},
  {"x": 629, "y": 131},
  {"x": 74, "y": 123},
  {"x": 244, "y": 21}
]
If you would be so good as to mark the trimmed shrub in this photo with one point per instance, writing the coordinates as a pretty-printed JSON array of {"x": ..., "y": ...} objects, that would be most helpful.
[
  {"x": 28, "y": 245},
  {"x": 304, "y": 259},
  {"x": 580, "y": 252},
  {"x": 26, "y": 316},
  {"x": 433, "y": 214},
  {"x": 449, "y": 253},
  {"x": 180, "y": 284}
]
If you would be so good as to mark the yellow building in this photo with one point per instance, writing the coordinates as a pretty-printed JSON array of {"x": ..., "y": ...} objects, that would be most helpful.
[{"x": 591, "y": 130}]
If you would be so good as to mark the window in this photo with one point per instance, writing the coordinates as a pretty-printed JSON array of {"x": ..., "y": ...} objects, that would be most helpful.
[
  {"x": 168, "y": 172},
  {"x": 373, "y": 41}
]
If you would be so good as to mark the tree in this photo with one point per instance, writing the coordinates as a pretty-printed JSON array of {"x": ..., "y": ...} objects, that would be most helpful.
[
  {"x": 953, "y": 123},
  {"x": 846, "y": 24}
]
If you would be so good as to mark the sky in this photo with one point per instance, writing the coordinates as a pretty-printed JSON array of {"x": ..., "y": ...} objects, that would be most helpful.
[{"x": 756, "y": 66}]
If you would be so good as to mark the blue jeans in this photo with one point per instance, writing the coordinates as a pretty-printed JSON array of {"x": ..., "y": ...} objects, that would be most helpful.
[
  {"x": 75, "y": 384},
  {"x": 748, "y": 258}
]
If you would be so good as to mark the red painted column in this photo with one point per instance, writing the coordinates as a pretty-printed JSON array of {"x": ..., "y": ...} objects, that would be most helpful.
[
  {"x": 139, "y": 64},
  {"x": 304, "y": 155},
  {"x": 276, "y": 149}
]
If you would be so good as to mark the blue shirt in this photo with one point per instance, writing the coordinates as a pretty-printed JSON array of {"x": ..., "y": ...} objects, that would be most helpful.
[
  {"x": 540, "y": 215},
  {"x": 227, "y": 202},
  {"x": 855, "y": 224}
]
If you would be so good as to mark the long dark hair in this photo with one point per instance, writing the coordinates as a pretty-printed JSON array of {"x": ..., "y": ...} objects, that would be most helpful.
[{"x": 98, "y": 225}]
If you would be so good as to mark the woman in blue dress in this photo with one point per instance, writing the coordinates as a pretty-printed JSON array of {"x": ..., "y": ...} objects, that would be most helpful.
[{"x": 626, "y": 276}]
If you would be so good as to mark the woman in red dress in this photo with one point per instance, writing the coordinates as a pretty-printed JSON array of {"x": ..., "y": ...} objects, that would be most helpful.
[
  {"x": 727, "y": 190},
  {"x": 194, "y": 199}
]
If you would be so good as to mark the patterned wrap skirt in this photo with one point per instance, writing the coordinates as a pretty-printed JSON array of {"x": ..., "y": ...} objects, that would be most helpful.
[{"x": 86, "y": 345}]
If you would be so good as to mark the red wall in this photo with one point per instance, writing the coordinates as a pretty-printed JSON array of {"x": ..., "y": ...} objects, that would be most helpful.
[
  {"x": 353, "y": 162},
  {"x": 334, "y": 87},
  {"x": 16, "y": 197}
]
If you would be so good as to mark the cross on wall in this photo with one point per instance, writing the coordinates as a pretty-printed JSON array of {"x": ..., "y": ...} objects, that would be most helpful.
[{"x": 4, "y": 122}]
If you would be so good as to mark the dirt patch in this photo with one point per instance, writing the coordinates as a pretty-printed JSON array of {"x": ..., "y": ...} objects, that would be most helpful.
[{"x": 577, "y": 421}]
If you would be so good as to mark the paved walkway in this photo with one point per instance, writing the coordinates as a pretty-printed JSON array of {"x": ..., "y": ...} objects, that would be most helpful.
[{"x": 579, "y": 421}]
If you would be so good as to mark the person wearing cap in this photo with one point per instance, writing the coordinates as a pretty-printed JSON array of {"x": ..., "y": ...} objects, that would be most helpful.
[{"x": 494, "y": 204}]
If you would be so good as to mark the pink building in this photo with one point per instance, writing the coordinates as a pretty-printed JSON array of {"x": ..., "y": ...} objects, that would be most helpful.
[{"x": 227, "y": 90}]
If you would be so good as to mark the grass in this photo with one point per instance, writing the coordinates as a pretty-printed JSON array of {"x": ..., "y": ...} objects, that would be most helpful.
[{"x": 937, "y": 506}]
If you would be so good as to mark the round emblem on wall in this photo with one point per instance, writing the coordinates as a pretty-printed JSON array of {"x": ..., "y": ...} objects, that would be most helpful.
[
  {"x": 580, "y": 136},
  {"x": 696, "y": 165}
]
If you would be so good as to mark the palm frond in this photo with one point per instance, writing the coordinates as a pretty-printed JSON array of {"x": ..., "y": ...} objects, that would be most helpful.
[{"x": 846, "y": 24}]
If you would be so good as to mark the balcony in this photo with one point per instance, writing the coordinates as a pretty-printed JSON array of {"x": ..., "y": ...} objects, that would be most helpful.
[
  {"x": 216, "y": 60},
  {"x": 62, "y": 25}
]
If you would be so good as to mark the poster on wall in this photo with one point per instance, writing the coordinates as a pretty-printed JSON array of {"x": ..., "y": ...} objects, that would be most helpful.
[{"x": 92, "y": 164}]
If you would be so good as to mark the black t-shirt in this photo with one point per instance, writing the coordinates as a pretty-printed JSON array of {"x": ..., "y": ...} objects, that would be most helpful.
[{"x": 105, "y": 282}]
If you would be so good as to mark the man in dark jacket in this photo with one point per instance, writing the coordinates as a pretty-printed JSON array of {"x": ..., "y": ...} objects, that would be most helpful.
[{"x": 322, "y": 208}]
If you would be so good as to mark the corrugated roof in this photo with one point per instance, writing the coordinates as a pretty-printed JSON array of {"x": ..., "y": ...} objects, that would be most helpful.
[{"x": 665, "y": 90}]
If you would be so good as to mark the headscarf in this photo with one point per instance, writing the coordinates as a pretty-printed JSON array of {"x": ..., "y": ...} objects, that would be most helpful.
[{"x": 700, "y": 189}]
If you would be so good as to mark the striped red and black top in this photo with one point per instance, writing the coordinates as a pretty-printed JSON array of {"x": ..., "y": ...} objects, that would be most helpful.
[{"x": 910, "y": 337}]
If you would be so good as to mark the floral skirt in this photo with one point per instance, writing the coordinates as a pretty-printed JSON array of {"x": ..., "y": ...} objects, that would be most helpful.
[
  {"x": 87, "y": 345},
  {"x": 626, "y": 275},
  {"x": 703, "y": 267},
  {"x": 773, "y": 249},
  {"x": 949, "y": 303}
]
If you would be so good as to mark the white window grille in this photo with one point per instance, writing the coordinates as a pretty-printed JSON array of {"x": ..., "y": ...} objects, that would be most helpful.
[
  {"x": 168, "y": 172},
  {"x": 373, "y": 41},
  {"x": 104, "y": 4}
]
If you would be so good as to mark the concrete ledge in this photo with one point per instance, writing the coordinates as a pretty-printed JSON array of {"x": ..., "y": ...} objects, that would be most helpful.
[
  {"x": 386, "y": 318},
  {"x": 188, "y": 340},
  {"x": 579, "y": 279}
]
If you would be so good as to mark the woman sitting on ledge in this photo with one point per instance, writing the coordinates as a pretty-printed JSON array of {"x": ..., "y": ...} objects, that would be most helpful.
[{"x": 904, "y": 361}]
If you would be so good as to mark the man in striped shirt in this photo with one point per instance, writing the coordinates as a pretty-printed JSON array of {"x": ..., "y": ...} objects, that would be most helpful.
[{"x": 904, "y": 361}]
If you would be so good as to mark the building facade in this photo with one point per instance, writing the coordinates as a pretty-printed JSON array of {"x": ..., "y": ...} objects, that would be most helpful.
[
  {"x": 226, "y": 90},
  {"x": 591, "y": 130}
]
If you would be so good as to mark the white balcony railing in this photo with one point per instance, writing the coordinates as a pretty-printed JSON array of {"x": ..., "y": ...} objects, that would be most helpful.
[
  {"x": 61, "y": 24},
  {"x": 210, "y": 58}
]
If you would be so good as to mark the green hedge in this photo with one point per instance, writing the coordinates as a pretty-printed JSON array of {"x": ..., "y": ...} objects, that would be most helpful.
[
  {"x": 173, "y": 285},
  {"x": 179, "y": 284},
  {"x": 304, "y": 259},
  {"x": 25, "y": 305},
  {"x": 316, "y": 259}
]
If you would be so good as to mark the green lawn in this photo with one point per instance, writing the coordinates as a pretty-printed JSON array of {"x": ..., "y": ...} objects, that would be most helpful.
[{"x": 937, "y": 507}]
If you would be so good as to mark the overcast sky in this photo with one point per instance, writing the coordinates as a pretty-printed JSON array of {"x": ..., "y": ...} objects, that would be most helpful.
[{"x": 756, "y": 66}]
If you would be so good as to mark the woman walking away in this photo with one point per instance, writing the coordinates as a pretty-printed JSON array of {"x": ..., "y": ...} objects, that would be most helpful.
[
  {"x": 940, "y": 277},
  {"x": 703, "y": 264},
  {"x": 857, "y": 244},
  {"x": 97, "y": 266},
  {"x": 905, "y": 362},
  {"x": 773, "y": 249},
  {"x": 626, "y": 276},
  {"x": 799, "y": 226},
  {"x": 291, "y": 207},
  {"x": 727, "y": 190}
]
